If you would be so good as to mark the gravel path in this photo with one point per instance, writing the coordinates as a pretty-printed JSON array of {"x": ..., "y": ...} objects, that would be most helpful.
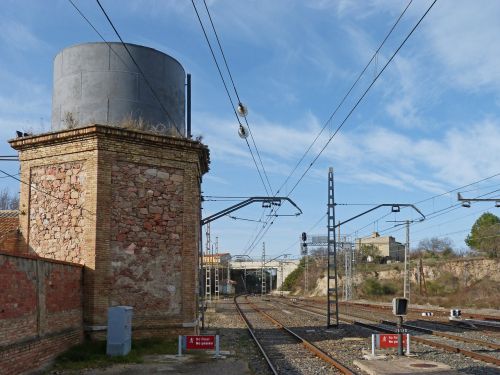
[
  {"x": 287, "y": 355},
  {"x": 223, "y": 318},
  {"x": 460, "y": 363}
]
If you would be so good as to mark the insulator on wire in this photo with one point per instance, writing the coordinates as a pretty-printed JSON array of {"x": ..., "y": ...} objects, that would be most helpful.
[
  {"x": 243, "y": 132},
  {"x": 242, "y": 110}
]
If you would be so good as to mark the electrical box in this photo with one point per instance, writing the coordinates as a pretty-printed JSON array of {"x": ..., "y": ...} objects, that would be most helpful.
[
  {"x": 399, "y": 306},
  {"x": 119, "y": 338}
]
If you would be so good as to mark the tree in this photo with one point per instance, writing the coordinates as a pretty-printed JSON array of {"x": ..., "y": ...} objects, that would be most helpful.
[
  {"x": 8, "y": 201},
  {"x": 370, "y": 250},
  {"x": 484, "y": 236},
  {"x": 435, "y": 247}
]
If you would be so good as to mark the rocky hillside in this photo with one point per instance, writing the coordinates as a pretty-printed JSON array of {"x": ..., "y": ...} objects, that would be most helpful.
[{"x": 466, "y": 282}]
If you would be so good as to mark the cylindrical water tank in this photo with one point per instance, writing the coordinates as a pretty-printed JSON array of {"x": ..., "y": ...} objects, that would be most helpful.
[{"x": 99, "y": 83}]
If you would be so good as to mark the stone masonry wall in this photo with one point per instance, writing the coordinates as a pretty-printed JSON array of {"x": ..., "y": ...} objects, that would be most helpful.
[
  {"x": 134, "y": 255},
  {"x": 146, "y": 232},
  {"x": 40, "y": 311},
  {"x": 56, "y": 220}
]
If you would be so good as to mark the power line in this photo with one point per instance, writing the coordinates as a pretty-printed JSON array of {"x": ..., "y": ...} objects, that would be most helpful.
[
  {"x": 236, "y": 93},
  {"x": 346, "y": 95},
  {"x": 431, "y": 198},
  {"x": 227, "y": 92},
  {"x": 42, "y": 191},
  {"x": 17, "y": 174},
  {"x": 362, "y": 96},
  {"x": 138, "y": 67},
  {"x": 310, "y": 229},
  {"x": 97, "y": 32},
  {"x": 355, "y": 106},
  {"x": 437, "y": 213}
]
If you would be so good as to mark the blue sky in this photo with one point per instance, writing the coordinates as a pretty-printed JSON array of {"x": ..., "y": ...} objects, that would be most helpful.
[{"x": 430, "y": 124}]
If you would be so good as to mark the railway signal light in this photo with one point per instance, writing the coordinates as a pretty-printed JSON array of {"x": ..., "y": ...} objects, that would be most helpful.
[{"x": 399, "y": 306}]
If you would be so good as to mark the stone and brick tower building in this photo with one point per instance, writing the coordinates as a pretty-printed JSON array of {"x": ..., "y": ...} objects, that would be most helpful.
[{"x": 124, "y": 203}]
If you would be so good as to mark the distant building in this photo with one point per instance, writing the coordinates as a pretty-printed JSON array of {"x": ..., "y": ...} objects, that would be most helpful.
[
  {"x": 388, "y": 247},
  {"x": 217, "y": 259}
]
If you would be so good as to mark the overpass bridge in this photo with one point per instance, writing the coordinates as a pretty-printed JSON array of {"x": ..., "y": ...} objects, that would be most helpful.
[{"x": 280, "y": 268}]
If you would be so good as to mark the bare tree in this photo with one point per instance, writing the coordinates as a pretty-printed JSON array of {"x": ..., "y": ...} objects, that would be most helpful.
[{"x": 8, "y": 201}]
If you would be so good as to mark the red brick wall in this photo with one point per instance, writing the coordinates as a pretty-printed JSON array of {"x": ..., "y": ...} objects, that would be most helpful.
[
  {"x": 8, "y": 224},
  {"x": 40, "y": 311},
  {"x": 9, "y": 236}
]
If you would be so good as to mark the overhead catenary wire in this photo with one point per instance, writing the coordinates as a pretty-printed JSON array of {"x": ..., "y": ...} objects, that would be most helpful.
[
  {"x": 431, "y": 198},
  {"x": 362, "y": 97},
  {"x": 360, "y": 75},
  {"x": 352, "y": 110},
  {"x": 237, "y": 95},
  {"x": 146, "y": 80},
  {"x": 97, "y": 32},
  {"x": 432, "y": 215},
  {"x": 228, "y": 93},
  {"x": 32, "y": 186}
]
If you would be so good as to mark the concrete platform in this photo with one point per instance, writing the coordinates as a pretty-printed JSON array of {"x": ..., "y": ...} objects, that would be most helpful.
[{"x": 402, "y": 366}]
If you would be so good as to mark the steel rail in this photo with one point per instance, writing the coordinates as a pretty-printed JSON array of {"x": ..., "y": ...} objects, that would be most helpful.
[
  {"x": 446, "y": 347},
  {"x": 446, "y": 335},
  {"x": 307, "y": 344},
  {"x": 413, "y": 309},
  {"x": 250, "y": 329}
]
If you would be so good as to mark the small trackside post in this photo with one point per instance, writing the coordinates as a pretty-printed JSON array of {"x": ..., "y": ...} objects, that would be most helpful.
[{"x": 179, "y": 352}]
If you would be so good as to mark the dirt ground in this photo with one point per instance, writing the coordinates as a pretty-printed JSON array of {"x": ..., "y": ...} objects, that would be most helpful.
[
  {"x": 241, "y": 357},
  {"x": 171, "y": 364}
]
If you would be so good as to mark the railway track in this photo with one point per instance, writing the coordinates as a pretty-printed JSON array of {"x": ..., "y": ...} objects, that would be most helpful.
[
  {"x": 472, "y": 348},
  {"x": 285, "y": 351}
]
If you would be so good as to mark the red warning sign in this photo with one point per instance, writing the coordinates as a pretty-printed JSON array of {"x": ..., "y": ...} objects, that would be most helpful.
[
  {"x": 389, "y": 341},
  {"x": 200, "y": 342}
]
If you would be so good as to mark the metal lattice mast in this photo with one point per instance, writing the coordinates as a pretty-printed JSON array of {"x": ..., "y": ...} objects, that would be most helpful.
[
  {"x": 306, "y": 281},
  {"x": 332, "y": 291},
  {"x": 208, "y": 265},
  {"x": 216, "y": 270},
  {"x": 348, "y": 256},
  {"x": 263, "y": 285}
]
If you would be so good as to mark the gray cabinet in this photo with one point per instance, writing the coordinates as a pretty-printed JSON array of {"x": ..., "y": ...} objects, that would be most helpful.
[{"x": 119, "y": 338}]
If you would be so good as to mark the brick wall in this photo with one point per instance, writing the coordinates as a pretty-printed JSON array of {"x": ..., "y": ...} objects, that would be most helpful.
[
  {"x": 9, "y": 236},
  {"x": 139, "y": 250},
  {"x": 40, "y": 311}
]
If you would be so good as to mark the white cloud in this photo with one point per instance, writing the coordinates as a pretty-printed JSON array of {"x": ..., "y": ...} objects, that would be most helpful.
[
  {"x": 17, "y": 36},
  {"x": 464, "y": 36},
  {"x": 377, "y": 155}
]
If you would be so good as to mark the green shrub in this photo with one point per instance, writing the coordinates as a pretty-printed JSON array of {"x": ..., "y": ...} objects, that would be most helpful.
[
  {"x": 373, "y": 287},
  {"x": 91, "y": 354},
  {"x": 291, "y": 280}
]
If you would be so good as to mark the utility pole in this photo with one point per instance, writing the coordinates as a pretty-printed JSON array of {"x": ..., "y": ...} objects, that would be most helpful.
[
  {"x": 245, "y": 271},
  {"x": 348, "y": 258},
  {"x": 270, "y": 280},
  {"x": 406, "y": 292},
  {"x": 281, "y": 291},
  {"x": 263, "y": 276},
  {"x": 216, "y": 281},
  {"x": 306, "y": 263},
  {"x": 228, "y": 276}
]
